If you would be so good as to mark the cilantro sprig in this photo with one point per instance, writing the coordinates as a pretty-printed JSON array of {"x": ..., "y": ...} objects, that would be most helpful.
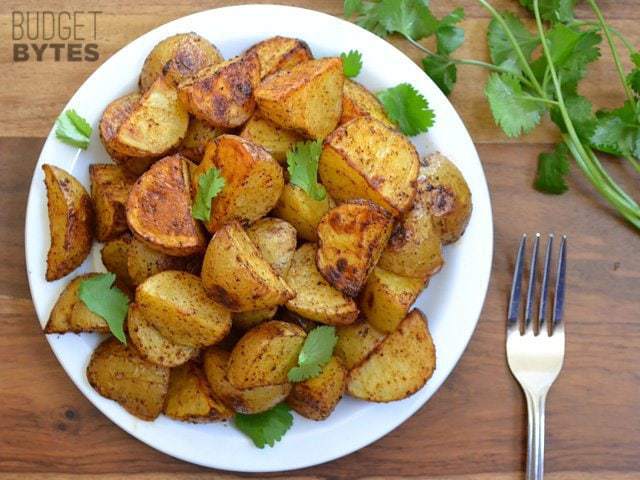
[
  {"x": 315, "y": 353},
  {"x": 302, "y": 164},
  {"x": 210, "y": 184},
  {"x": 107, "y": 301},
  {"x": 351, "y": 63},
  {"x": 73, "y": 130},
  {"x": 265, "y": 428},
  {"x": 407, "y": 108}
]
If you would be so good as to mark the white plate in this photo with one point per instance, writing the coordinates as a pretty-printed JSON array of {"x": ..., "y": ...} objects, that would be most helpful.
[{"x": 452, "y": 302}]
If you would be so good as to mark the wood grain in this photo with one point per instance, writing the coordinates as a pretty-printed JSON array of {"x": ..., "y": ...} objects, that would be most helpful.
[{"x": 474, "y": 427}]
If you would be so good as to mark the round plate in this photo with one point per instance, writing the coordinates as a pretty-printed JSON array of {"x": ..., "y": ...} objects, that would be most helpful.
[{"x": 452, "y": 302}]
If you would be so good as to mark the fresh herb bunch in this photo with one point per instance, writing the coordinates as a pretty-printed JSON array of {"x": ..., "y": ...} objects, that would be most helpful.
[{"x": 523, "y": 86}]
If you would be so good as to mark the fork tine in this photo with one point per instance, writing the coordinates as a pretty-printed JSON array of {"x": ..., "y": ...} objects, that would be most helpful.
[
  {"x": 516, "y": 286},
  {"x": 531, "y": 287},
  {"x": 544, "y": 289},
  {"x": 558, "y": 299}
]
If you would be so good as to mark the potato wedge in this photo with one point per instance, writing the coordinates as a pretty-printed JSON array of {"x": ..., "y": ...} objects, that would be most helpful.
[
  {"x": 357, "y": 101},
  {"x": 265, "y": 354},
  {"x": 176, "y": 304},
  {"x": 247, "y": 401},
  {"x": 84, "y": 320},
  {"x": 152, "y": 346},
  {"x": 302, "y": 211},
  {"x": 178, "y": 57},
  {"x": 306, "y": 98},
  {"x": 365, "y": 158},
  {"x": 251, "y": 318},
  {"x": 275, "y": 140},
  {"x": 355, "y": 342},
  {"x": 235, "y": 275},
  {"x": 253, "y": 180},
  {"x": 279, "y": 53},
  {"x": 386, "y": 298},
  {"x": 351, "y": 238},
  {"x": 118, "y": 373},
  {"x": 315, "y": 298},
  {"x": 448, "y": 197},
  {"x": 115, "y": 255},
  {"x": 159, "y": 209},
  {"x": 199, "y": 134},
  {"x": 70, "y": 222},
  {"x": 223, "y": 95},
  {"x": 399, "y": 366},
  {"x": 109, "y": 190},
  {"x": 190, "y": 398},
  {"x": 276, "y": 242},
  {"x": 60, "y": 317},
  {"x": 144, "y": 262}
]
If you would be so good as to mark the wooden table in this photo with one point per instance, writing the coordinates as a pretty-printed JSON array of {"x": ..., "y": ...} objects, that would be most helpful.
[{"x": 475, "y": 426}]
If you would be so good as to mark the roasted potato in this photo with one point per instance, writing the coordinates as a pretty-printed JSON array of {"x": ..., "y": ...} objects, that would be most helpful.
[
  {"x": 399, "y": 366},
  {"x": 315, "y": 298},
  {"x": 222, "y": 94},
  {"x": 275, "y": 140},
  {"x": 176, "y": 304},
  {"x": 178, "y": 57},
  {"x": 306, "y": 98},
  {"x": 84, "y": 320},
  {"x": 144, "y": 262},
  {"x": 190, "y": 399},
  {"x": 265, "y": 354},
  {"x": 109, "y": 190},
  {"x": 152, "y": 346},
  {"x": 276, "y": 242},
  {"x": 357, "y": 101},
  {"x": 251, "y": 318},
  {"x": 159, "y": 209},
  {"x": 115, "y": 255},
  {"x": 317, "y": 397},
  {"x": 253, "y": 180},
  {"x": 199, "y": 134},
  {"x": 355, "y": 342},
  {"x": 303, "y": 212},
  {"x": 247, "y": 401},
  {"x": 70, "y": 222},
  {"x": 386, "y": 298},
  {"x": 118, "y": 373},
  {"x": 235, "y": 274},
  {"x": 60, "y": 317},
  {"x": 279, "y": 53},
  {"x": 448, "y": 197},
  {"x": 365, "y": 158},
  {"x": 351, "y": 238}
]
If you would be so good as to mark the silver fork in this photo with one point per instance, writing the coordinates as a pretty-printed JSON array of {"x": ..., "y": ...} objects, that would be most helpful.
[{"x": 535, "y": 347}]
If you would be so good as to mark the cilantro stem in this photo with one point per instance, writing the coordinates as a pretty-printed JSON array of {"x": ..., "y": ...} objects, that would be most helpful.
[
  {"x": 613, "y": 30},
  {"x": 634, "y": 162},
  {"x": 538, "y": 99}
]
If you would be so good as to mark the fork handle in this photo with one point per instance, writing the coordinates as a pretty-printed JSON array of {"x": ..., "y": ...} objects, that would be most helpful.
[{"x": 535, "y": 448}]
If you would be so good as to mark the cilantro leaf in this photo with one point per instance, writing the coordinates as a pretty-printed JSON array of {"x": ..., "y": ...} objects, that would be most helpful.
[
  {"x": 302, "y": 163},
  {"x": 448, "y": 36},
  {"x": 107, "y": 301},
  {"x": 73, "y": 130},
  {"x": 265, "y": 428},
  {"x": 442, "y": 71},
  {"x": 210, "y": 184},
  {"x": 580, "y": 112},
  {"x": 618, "y": 132},
  {"x": 500, "y": 49},
  {"x": 353, "y": 7},
  {"x": 407, "y": 108},
  {"x": 553, "y": 10},
  {"x": 315, "y": 353},
  {"x": 351, "y": 63},
  {"x": 411, "y": 18},
  {"x": 552, "y": 168}
]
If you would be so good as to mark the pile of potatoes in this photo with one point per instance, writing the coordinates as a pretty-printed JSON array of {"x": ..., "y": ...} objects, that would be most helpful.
[{"x": 219, "y": 310}]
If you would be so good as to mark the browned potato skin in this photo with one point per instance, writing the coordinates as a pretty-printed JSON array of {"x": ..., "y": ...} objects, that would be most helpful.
[
  {"x": 60, "y": 317},
  {"x": 275, "y": 140},
  {"x": 199, "y": 134},
  {"x": 448, "y": 197},
  {"x": 352, "y": 166},
  {"x": 399, "y": 366},
  {"x": 71, "y": 219},
  {"x": 222, "y": 95},
  {"x": 306, "y": 98},
  {"x": 303, "y": 212},
  {"x": 109, "y": 190},
  {"x": 118, "y": 373},
  {"x": 159, "y": 209},
  {"x": 144, "y": 262},
  {"x": 247, "y": 401},
  {"x": 351, "y": 238},
  {"x": 190, "y": 399},
  {"x": 253, "y": 181},
  {"x": 276, "y": 241},
  {"x": 356, "y": 342},
  {"x": 178, "y": 57},
  {"x": 251, "y": 318},
  {"x": 115, "y": 255},
  {"x": 279, "y": 53},
  {"x": 265, "y": 354},
  {"x": 317, "y": 397},
  {"x": 357, "y": 101}
]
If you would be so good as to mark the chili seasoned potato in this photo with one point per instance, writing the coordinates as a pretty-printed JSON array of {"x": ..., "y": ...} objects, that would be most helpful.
[
  {"x": 190, "y": 398},
  {"x": 275, "y": 140},
  {"x": 60, "y": 317},
  {"x": 253, "y": 180},
  {"x": 70, "y": 222},
  {"x": 109, "y": 191},
  {"x": 386, "y": 298},
  {"x": 365, "y": 158},
  {"x": 144, "y": 262},
  {"x": 265, "y": 354},
  {"x": 115, "y": 254},
  {"x": 159, "y": 209},
  {"x": 155, "y": 125},
  {"x": 178, "y": 57},
  {"x": 199, "y": 134},
  {"x": 176, "y": 304},
  {"x": 317, "y": 397},
  {"x": 315, "y": 298},
  {"x": 448, "y": 197},
  {"x": 84, "y": 320},
  {"x": 399, "y": 366},
  {"x": 355, "y": 342},
  {"x": 118, "y": 373},
  {"x": 303, "y": 212},
  {"x": 276, "y": 241},
  {"x": 247, "y": 401},
  {"x": 223, "y": 95},
  {"x": 235, "y": 274},
  {"x": 351, "y": 238},
  {"x": 279, "y": 53},
  {"x": 152, "y": 346},
  {"x": 357, "y": 101},
  {"x": 251, "y": 318},
  {"x": 306, "y": 98}
]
